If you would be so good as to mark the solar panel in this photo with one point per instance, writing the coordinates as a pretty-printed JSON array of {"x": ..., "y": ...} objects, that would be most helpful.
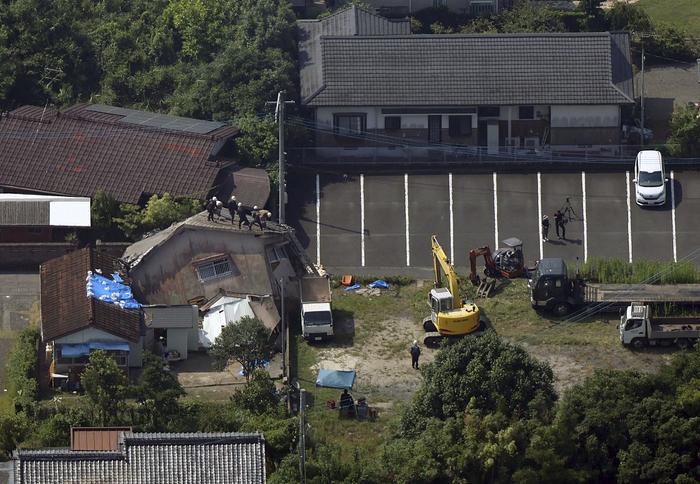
[{"x": 155, "y": 120}]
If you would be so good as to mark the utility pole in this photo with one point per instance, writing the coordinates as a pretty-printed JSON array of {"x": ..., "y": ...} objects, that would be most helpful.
[
  {"x": 284, "y": 335},
  {"x": 641, "y": 136},
  {"x": 279, "y": 118},
  {"x": 302, "y": 437}
]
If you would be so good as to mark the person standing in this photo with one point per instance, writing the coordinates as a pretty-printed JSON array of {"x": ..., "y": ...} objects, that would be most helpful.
[
  {"x": 545, "y": 228},
  {"x": 415, "y": 354},
  {"x": 242, "y": 215},
  {"x": 232, "y": 206},
  {"x": 211, "y": 207},
  {"x": 559, "y": 224}
]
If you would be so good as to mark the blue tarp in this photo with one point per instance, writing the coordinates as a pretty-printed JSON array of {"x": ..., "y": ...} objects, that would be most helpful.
[
  {"x": 335, "y": 378},
  {"x": 83, "y": 349},
  {"x": 107, "y": 290},
  {"x": 379, "y": 284},
  {"x": 353, "y": 287},
  {"x": 257, "y": 364}
]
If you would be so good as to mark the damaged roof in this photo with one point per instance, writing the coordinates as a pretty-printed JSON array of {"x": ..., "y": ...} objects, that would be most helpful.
[
  {"x": 65, "y": 305},
  {"x": 127, "y": 153}
]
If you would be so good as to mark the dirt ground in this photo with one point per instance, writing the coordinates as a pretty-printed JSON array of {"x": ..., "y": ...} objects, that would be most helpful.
[{"x": 383, "y": 363}]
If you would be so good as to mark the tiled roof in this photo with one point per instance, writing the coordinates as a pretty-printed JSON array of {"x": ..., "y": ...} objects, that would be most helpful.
[
  {"x": 351, "y": 21},
  {"x": 448, "y": 70},
  {"x": 65, "y": 306},
  {"x": 152, "y": 458},
  {"x": 80, "y": 150}
]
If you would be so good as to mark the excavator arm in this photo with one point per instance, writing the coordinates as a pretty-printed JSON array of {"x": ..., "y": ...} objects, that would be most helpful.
[
  {"x": 488, "y": 261},
  {"x": 441, "y": 264}
]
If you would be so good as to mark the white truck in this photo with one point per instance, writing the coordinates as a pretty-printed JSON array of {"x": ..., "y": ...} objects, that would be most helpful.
[
  {"x": 638, "y": 328},
  {"x": 316, "y": 313}
]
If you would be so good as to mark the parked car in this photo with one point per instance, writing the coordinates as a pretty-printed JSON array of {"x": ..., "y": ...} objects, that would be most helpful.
[{"x": 650, "y": 178}]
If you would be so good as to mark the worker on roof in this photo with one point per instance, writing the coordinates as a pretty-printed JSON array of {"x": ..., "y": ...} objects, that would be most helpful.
[{"x": 242, "y": 212}]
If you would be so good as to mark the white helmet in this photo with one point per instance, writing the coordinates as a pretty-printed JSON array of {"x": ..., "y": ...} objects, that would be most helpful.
[
  {"x": 255, "y": 207},
  {"x": 214, "y": 199},
  {"x": 240, "y": 204}
]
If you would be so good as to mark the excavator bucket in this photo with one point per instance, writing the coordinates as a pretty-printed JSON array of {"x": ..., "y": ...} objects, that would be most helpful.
[{"x": 485, "y": 287}]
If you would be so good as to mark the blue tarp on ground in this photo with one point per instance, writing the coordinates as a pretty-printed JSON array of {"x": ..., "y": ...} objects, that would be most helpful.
[
  {"x": 379, "y": 284},
  {"x": 107, "y": 290},
  {"x": 335, "y": 378},
  {"x": 83, "y": 349}
]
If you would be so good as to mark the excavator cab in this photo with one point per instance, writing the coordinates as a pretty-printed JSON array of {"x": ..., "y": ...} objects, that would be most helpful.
[
  {"x": 440, "y": 300},
  {"x": 509, "y": 259}
]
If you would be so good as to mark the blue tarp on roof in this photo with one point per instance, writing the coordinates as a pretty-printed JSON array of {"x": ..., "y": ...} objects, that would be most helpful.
[
  {"x": 107, "y": 290},
  {"x": 83, "y": 349},
  {"x": 335, "y": 378}
]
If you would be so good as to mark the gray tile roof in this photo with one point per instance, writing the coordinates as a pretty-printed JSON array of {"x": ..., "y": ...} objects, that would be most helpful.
[
  {"x": 444, "y": 70},
  {"x": 351, "y": 21},
  {"x": 151, "y": 458}
]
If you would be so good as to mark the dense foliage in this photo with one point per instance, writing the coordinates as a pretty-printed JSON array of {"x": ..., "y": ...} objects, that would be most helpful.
[
  {"x": 105, "y": 386},
  {"x": 22, "y": 367},
  {"x": 609, "y": 270},
  {"x": 247, "y": 342},
  {"x": 219, "y": 59},
  {"x": 684, "y": 139}
]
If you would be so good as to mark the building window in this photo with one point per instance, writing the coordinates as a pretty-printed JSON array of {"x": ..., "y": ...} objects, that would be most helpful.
[
  {"x": 460, "y": 125},
  {"x": 276, "y": 254},
  {"x": 526, "y": 112},
  {"x": 214, "y": 269},
  {"x": 349, "y": 123},
  {"x": 489, "y": 111},
  {"x": 392, "y": 123}
]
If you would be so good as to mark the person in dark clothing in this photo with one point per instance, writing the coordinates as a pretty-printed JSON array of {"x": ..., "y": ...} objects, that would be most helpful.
[
  {"x": 232, "y": 211},
  {"x": 256, "y": 218},
  {"x": 545, "y": 228},
  {"x": 560, "y": 224},
  {"x": 415, "y": 354},
  {"x": 346, "y": 402},
  {"x": 211, "y": 207},
  {"x": 242, "y": 215}
]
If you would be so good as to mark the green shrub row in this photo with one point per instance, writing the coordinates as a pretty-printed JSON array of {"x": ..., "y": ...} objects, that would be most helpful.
[
  {"x": 22, "y": 367},
  {"x": 619, "y": 271}
]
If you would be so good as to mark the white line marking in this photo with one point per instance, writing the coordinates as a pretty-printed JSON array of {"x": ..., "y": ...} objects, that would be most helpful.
[
  {"x": 629, "y": 215},
  {"x": 495, "y": 210},
  {"x": 673, "y": 217},
  {"x": 318, "y": 219},
  {"x": 362, "y": 215},
  {"x": 539, "y": 213},
  {"x": 452, "y": 224},
  {"x": 585, "y": 218},
  {"x": 408, "y": 244}
]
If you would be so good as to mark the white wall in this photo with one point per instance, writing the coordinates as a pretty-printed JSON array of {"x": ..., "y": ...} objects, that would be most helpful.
[
  {"x": 375, "y": 118},
  {"x": 514, "y": 111},
  {"x": 585, "y": 116},
  {"x": 177, "y": 340}
]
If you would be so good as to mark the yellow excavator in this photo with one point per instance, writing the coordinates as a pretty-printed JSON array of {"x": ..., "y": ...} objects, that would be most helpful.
[{"x": 449, "y": 315}]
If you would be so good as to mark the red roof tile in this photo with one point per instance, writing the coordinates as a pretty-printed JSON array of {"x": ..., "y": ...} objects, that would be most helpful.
[
  {"x": 65, "y": 305},
  {"x": 78, "y": 151}
]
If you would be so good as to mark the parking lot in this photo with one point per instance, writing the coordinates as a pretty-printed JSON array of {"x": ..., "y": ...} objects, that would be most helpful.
[{"x": 383, "y": 223}]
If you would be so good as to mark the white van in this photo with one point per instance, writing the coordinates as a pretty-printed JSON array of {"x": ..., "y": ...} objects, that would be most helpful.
[{"x": 650, "y": 179}]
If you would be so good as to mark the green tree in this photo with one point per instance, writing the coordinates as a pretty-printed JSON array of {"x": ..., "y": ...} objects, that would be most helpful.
[
  {"x": 163, "y": 211},
  {"x": 105, "y": 386},
  {"x": 259, "y": 395},
  {"x": 157, "y": 391},
  {"x": 486, "y": 371},
  {"x": 22, "y": 367},
  {"x": 684, "y": 138},
  {"x": 104, "y": 210},
  {"x": 247, "y": 342},
  {"x": 14, "y": 428},
  {"x": 528, "y": 17}
]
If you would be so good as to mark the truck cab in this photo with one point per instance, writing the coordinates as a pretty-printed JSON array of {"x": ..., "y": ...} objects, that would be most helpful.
[
  {"x": 551, "y": 289},
  {"x": 316, "y": 312},
  {"x": 633, "y": 328}
]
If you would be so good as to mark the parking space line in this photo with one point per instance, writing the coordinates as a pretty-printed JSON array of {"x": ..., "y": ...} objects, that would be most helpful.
[
  {"x": 495, "y": 209},
  {"x": 408, "y": 238},
  {"x": 362, "y": 216},
  {"x": 629, "y": 216},
  {"x": 539, "y": 213},
  {"x": 318, "y": 219},
  {"x": 585, "y": 221},
  {"x": 452, "y": 224},
  {"x": 673, "y": 217}
]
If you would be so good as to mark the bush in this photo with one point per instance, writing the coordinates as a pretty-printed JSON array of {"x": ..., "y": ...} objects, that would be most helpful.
[
  {"x": 619, "y": 271},
  {"x": 22, "y": 367},
  {"x": 259, "y": 395},
  {"x": 684, "y": 139}
]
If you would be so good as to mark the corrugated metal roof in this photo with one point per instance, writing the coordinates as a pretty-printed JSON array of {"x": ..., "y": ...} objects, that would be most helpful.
[
  {"x": 29, "y": 212},
  {"x": 179, "y": 316},
  {"x": 96, "y": 438}
]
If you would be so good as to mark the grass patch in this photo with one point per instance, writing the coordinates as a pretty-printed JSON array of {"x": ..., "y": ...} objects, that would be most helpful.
[
  {"x": 684, "y": 14},
  {"x": 619, "y": 271}
]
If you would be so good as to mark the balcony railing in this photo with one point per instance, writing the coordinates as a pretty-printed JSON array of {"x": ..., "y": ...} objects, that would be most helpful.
[{"x": 414, "y": 155}]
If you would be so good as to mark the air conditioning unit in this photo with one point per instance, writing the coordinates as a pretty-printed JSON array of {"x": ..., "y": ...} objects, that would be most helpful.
[{"x": 532, "y": 142}]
